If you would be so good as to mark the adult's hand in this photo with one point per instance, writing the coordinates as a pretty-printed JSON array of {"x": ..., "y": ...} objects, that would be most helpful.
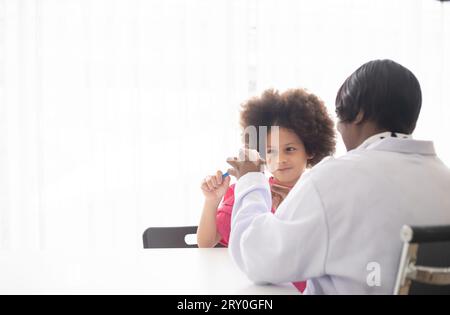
[{"x": 248, "y": 161}]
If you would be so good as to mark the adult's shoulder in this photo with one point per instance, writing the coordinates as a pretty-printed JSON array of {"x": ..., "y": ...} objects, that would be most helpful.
[{"x": 336, "y": 168}]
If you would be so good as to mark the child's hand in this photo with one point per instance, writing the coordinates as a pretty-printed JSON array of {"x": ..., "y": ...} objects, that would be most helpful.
[{"x": 214, "y": 187}]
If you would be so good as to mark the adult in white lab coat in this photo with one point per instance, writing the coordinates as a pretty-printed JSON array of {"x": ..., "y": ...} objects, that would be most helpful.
[{"x": 339, "y": 227}]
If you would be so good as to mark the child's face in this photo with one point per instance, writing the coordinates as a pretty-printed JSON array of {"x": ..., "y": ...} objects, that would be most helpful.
[{"x": 288, "y": 160}]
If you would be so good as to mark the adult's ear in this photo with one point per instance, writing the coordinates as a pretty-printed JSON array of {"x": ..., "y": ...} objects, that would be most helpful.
[{"x": 359, "y": 119}]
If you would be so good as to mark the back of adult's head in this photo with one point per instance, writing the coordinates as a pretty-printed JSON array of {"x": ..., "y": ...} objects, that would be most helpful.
[{"x": 385, "y": 92}]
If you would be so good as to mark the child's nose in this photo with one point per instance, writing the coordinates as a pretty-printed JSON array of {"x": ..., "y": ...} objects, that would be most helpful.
[{"x": 282, "y": 160}]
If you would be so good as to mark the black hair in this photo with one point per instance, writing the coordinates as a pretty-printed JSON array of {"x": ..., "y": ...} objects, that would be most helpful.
[
  {"x": 297, "y": 110},
  {"x": 386, "y": 92}
]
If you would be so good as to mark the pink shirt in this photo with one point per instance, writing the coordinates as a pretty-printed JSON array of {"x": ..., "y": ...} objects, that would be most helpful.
[{"x": 223, "y": 222}]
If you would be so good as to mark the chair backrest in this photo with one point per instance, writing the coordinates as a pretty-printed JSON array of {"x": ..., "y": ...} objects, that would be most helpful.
[
  {"x": 425, "y": 262},
  {"x": 169, "y": 237}
]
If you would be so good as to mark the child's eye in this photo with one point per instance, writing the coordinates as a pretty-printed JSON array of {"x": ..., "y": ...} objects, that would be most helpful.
[
  {"x": 290, "y": 149},
  {"x": 270, "y": 151}
]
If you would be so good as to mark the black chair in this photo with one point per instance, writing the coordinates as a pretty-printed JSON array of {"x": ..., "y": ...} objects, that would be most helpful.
[
  {"x": 169, "y": 237},
  {"x": 425, "y": 262}
]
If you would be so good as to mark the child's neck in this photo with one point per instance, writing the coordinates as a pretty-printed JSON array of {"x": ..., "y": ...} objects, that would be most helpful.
[{"x": 286, "y": 184}]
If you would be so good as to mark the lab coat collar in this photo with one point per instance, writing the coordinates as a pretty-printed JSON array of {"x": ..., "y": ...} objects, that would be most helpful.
[{"x": 397, "y": 142}]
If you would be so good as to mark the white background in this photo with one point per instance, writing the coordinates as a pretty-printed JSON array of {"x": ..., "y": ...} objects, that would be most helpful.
[{"x": 112, "y": 111}]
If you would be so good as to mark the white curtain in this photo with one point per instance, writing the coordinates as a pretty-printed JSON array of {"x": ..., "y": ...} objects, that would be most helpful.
[{"x": 112, "y": 111}]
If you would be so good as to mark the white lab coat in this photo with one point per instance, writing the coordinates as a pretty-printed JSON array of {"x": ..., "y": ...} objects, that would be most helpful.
[{"x": 341, "y": 222}]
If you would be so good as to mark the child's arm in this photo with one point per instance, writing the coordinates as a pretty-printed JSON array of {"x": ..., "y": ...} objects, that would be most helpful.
[
  {"x": 214, "y": 188},
  {"x": 207, "y": 235}
]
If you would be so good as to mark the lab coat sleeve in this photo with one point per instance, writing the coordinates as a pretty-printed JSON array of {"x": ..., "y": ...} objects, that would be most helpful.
[{"x": 290, "y": 245}]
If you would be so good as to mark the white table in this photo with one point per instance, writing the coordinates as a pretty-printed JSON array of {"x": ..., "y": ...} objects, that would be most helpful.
[{"x": 150, "y": 271}]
